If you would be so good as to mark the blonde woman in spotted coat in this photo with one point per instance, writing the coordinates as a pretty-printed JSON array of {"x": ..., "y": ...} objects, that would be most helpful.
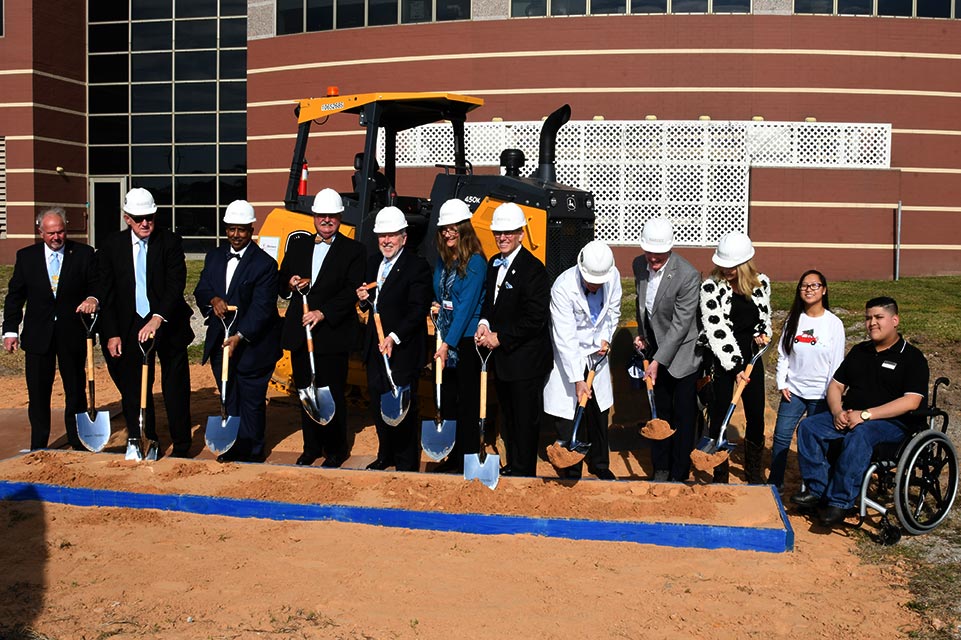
[{"x": 735, "y": 308}]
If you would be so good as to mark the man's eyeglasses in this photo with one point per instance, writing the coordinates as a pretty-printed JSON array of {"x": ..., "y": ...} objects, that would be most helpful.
[
  {"x": 505, "y": 233},
  {"x": 810, "y": 286},
  {"x": 141, "y": 219}
]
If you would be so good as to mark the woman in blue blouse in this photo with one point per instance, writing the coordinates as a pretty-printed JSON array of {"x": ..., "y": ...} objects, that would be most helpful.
[{"x": 458, "y": 293}]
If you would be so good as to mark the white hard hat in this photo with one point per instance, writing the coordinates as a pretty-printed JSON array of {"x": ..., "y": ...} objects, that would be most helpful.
[
  {"x": 733, "y": 249},
  {"x": 452, "y": 212},
  {"x": 595, "y": 262},
  {"x": 239, "y": 212},
  {"x": 139, "y": 202},
  {"x": 390, "y": 220},
  {"x": 508, "y": 217},
  {"x": 327, "y": 201},
  {"x": 657, "y": 235}
]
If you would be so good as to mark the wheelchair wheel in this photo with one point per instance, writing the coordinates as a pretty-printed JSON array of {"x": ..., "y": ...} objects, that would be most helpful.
[{"x": 927, "y": 482}]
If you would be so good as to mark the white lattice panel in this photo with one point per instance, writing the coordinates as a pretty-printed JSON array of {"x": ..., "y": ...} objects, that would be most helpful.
[{"x": 694, "y": 172}]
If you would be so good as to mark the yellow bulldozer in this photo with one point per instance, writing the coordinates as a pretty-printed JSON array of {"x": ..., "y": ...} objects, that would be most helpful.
[{"x": 560, "y": 219}]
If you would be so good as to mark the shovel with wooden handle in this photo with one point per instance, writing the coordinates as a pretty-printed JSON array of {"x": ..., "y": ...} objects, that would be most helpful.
[
  {"x": 143, "y": 448},
  {"x": 318, "y": 403},
  {"x": 437, "y": 436},
  {"x": 221, "y": 431},
  {"x": 655, "y": 429},
  {"x": 93, "y": 427},
  {"x": 394, "y": 403},
  {"x": 566, "y": 454},
  {"x": 480, "y": 466}
]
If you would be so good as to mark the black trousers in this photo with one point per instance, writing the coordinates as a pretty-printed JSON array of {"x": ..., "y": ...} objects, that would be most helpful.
[
  {"x": 40, "y": 372},
  {"x": 593, "y": 429},
  {"x": 676, "y": 402},
  {"x": 247, "y": 399},
  {"x": 399, "y": 445},
  {"x": 752, "y": 400},
  {"x": 328, "y": 440},
  {"x": 522, "y": 404},
  {"x": 460, "y": 399}
]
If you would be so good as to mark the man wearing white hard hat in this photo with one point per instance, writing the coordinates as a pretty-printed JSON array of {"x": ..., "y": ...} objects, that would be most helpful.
[
  {"x": 403, "y": 296},
  {"x": 328, "y": 266},
  {"x": 585, "y": 310},
  {"x": 243, "y": 275},
  {"x": 143, "y": 274},
  {"x": 667, "y": 294},
  {"x": 514, "y": 323}
]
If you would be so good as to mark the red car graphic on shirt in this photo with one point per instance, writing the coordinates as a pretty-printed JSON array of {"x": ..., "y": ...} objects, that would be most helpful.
[{"x": 806, "y": 336}]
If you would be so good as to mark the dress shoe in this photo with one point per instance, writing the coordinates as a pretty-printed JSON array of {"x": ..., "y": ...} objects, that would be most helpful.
[
  {"x": 333, "y": 462},
  {"x": 379, "y": 464},
  {"x": 257, "y": 457},
  {"x": 805, "y": 499},
  {"x": 507, "y": 470},
  {"x": 180, "y": 453},
  {"x": 662, "y": 475},
  {"x": 450, "y": 465},
  {"x": 305, "y": 460},
  {"x": 604, "y": 474},
  {"x": 831, "y": 516},
  {"x": 232, "y": 455}
]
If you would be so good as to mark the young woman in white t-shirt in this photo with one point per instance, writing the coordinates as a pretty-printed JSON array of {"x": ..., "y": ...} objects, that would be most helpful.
[{"x": 809, "y": 352}]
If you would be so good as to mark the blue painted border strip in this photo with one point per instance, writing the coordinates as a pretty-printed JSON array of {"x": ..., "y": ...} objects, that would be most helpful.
[
  {"x": 657, "y": 533},
  {"x": 788, "y": 529}
]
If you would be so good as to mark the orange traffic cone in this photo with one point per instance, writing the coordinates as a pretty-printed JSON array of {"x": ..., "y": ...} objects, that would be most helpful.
[{"x": 302, "y": 187}]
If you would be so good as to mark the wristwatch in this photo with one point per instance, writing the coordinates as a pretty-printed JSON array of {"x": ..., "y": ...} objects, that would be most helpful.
[{"x": 865, "y": 415}]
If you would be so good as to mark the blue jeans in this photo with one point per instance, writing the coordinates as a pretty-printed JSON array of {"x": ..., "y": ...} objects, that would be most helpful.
[
  {"x": 789, "y": 414},
  {"x": 842, "y": 488}
]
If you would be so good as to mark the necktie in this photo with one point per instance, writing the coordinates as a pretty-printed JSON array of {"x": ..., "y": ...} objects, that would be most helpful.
[
  {"x": 143, "y": 305},
  {"x": 500, "y": 262},
  {"x": 53, "y": 270},
  {"x": 384, "y": 272}
]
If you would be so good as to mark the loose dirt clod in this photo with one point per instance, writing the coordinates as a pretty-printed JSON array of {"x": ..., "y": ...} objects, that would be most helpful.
[
  {"x": 561, "y": 457},
  {"x": 707, "y": 462},
  {"x": 657, "y": 429}
]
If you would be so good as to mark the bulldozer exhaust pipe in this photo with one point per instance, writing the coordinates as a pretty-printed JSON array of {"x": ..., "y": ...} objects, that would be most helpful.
[{"x": 545, "y": 168}]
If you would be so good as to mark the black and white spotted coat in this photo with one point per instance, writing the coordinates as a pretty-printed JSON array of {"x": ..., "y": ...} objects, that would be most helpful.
[{"x": 717, "y": 332}]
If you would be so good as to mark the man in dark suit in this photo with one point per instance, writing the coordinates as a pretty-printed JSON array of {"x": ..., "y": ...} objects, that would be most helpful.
[
  {"x": 667, "y": 299},
  {"x": 330, "y": 267},
  {"x": 241, "y": 274},
  {"x": 514, "y": 323},
  {"x": 55, "y": 279},
  {"x": 142, "y": 276},
  {"x": 404, "y": 293}
]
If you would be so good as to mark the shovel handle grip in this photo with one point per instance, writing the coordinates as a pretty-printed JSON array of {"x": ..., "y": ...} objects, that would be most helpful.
[
  {"x": 438, "y": 363},
  {"x": 226, "y": 365},
  {"x": 483, "y": 396},
  {"x": 647, "y": 379},
  {"x": 582, "y": 401},
  {"x": 380, "y": 328},
  {"x": 143, "y": 386},
  {"x": 231, "y": 307},
  {"x": 310, "y": 336},
  {"x": 739, "y": 389},
  {"x": 89, "y": 359}
]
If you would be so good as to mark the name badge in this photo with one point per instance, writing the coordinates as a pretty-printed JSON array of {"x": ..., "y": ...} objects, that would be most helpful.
[
  {"x": 887, "y": 364},
  {"x": 448, "y": 305}
]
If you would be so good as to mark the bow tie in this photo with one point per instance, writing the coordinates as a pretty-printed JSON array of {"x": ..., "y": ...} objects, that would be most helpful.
[
  {"x": 501, "y": 262},
  {"x": 320, "y": 240},
  {"x": 234, "y": 255}
]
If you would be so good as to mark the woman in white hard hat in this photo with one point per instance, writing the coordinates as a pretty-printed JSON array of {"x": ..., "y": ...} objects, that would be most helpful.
[
  {"x": 735, "y": 307},
  {"x": 458, "y": 294}
]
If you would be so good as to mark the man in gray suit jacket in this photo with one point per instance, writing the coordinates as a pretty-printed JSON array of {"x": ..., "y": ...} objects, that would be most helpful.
[{"x": 667, "y": 301}]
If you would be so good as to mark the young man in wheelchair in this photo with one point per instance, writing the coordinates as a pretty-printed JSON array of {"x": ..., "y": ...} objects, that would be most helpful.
[{"x": 879, "y": 382}]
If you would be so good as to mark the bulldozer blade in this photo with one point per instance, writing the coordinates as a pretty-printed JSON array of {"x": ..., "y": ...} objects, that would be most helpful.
[
  {"x": 487, "y": 472},
  {"x": 437, "y": 438},
  {"x": 318, "y": 403},
  {"x": 93, "y": 428},
  {"x": 133, "y": 450},
  {"x": 394, "y": 405},
  {"x": 221, "y": 433}
]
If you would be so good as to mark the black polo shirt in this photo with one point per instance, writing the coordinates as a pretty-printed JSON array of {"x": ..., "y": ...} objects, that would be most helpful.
[{"x": 876, "y": 377}]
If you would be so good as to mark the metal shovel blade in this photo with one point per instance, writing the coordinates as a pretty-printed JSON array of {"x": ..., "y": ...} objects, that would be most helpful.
[
  {"x": 394, "y": 405},
  {"x": 93, "y": 429},
  {"x": 133, "y": 450},
  {"x": 487, "y": 472},
  {"x": 318, "y": 403},
  {"x": 221, "y": 433},
  {"x": 437, "y": 438}
]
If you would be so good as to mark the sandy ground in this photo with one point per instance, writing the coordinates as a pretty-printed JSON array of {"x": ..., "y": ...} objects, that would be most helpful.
[{"x": 73, "y": 572}]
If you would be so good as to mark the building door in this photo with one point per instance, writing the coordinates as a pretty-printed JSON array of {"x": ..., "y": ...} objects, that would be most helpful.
[{"x": 106, "y": 200}]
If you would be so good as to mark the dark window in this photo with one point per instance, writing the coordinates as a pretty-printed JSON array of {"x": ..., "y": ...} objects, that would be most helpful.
[
  {"x": 108, "y": 68},
  {"x": 164, "y": 218},
  {"x": 895, "y": 7},
  {"x": 381, "y": 12},
  {"x": 106, "y": 11},
  {"x": 814, "y": 6},
  {"x": 107, "y": 38},
  {"x": 232, "y": 188},
  {"x": 350, "y": 13},
  {"x": 108, "y": 130},
  {"x": 233, "y": 7},
  {"x": 150, "y": 36},
  {"x": 233, "y": 96},
  {"x": 233, "y": 158},
  {"x": 150, "y": 129},
  {"x": 194, "y": 245},
  {"x": 195, "y": 128},
  {"x": 855, "y": 7},
  {"x": 196, "y": 221},
  {"x": 934, "y": 8},
  {"x": 196, "y": 96},
  {"x": 146, "y": 98},
  {"x": 160, "y": 187},
  {"x": 109, "y": 160},
  {"x": 150, "y": 67},
  {"x": 195, "y": 190},
  {"x": 648, "y": 6},
  {"x": 150, "y": 9},
  {"x": 233, "y": 127},
  {"x": 196, "y": 65},
  {"x": 196, "y": 158},
  {"x": 108, "y": 99},
  {"x": 320, "y": 15},
  {"x": 453, "y": 10},
  {"x": 568, "y": 7},
  {"x": 196, "y": 8},
  {"x": 233, "y": 64},
  {"x": 150, "y": 160},
  {"x": 689, "y": 6},
  {"x": 734, "y": 6},
  {"x": 233, "y": 33},
  {"x": 290, "y": 16},
  {"x": 608, "y": 6},
  {"x": 529, "y": 8},
  {"x": 415, "y": 11},
  {"x": 195, "y": 34}
]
